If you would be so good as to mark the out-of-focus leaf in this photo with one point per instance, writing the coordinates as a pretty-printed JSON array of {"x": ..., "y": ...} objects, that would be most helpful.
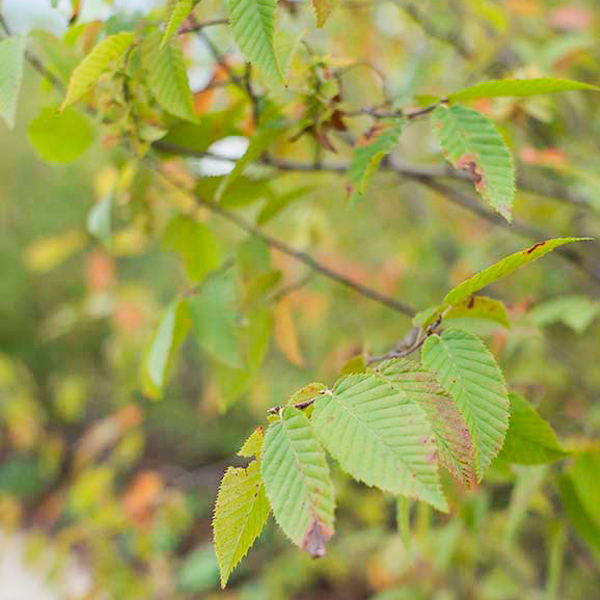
[
  {"x": 177, "y": 12},
  {"x": 471, "y": 142},
  {"x": 529, "y": 440},
  {"x": 518, "y": 87},
  {"x": 194, "y": 241},
  {"x": 200, "y": 571},
  {"x": 85, "y": 75},
  {"x": 323, "y": 9},
  {"x": 586, "y": 527},
  {"x": 215, "y": 318},
  {"x": 60, "y": 137},
  {"x": 259, "y": 142},
  {"x": 297, "y": 481},
  {"x": 369, "y": 153},
  {"x": 577, "y": 312},
  {"x": 98, "y": 222},
  {"x": 286, "y": 336},
  {"x": 167, "y": 76},
  {"x": 467, "y": 371},
  {"x": 274, "y": 206},
  {"x": 586, "y": 482},
  {"x": 171, "y": 331},
  {"x": 505, "y": 267},
  {"x": 12, "y": 66},
  {"x": 252, "y": 24},
  {"x": 46, "y": 253}
]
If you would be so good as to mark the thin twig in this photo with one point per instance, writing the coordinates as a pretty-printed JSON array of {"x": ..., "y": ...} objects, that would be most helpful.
[
  {"x": 199, "y": 26},
  {"x": 298, "y": 255}
]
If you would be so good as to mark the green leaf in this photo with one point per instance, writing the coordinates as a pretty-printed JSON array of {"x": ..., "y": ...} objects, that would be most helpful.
[
  {"x": 98, "y": 221},
  {"x": 505, "y": 267},
  {"x": 323, "y": 9},
  {"x": 367, "y": 156},
  {"x": 584, "y": 476},
  {"x": 167, "y": 76},
  {"x": 215, "y": 319},
  {"x": 275, "y": 205},
  {"x": 240, "y": 514},
  {"x": 253, "y": 445},
  {"x": 178, "y": 12},
  {"x": 86, "y": 74},
  {"x": 576, "y": 312},
  {"x": 259, "y": 142},
  {"x": 12, "y": 65},
  {"x": 297, "y": 481},
  {"x": 171, "y": 331},
  {"x": 380, "y": 437},
  {"x": 480, "y": 307},
  {"x": 453, "y": 441},
  {"x": 60, "y": 137},
  {"x": 586, "y": 527},
  {"x": 530, "y": 440},
  {"x": 518, "y": 87},
  {"x": 252, "y": 24},
  {"x": 471, "y": 142},
  {"x": 467, "y": 371},
  {"x": 195, "y": 242}
]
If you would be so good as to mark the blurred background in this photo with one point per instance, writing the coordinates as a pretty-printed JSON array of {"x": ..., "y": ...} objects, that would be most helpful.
[{"x": 107, "y": 489}]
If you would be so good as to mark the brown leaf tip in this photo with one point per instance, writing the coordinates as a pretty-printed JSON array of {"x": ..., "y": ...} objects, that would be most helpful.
[{"x": 315, "y": 538}]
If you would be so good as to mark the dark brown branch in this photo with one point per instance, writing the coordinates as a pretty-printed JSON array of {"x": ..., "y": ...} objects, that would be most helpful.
[
  {"x": 298, "y": 255},
  {"x": 202, "y": 25}
]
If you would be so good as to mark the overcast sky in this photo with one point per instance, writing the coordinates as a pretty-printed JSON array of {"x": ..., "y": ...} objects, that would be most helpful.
[{"x": 22, "y": 16}]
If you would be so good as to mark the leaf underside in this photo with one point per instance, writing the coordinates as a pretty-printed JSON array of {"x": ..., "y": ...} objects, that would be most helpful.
[
  {"x": 468, "y": 372},
  {"x": 297, "y": 481},
  {"x": 167, "y": 76},
  {"x": 252, "y": 24},
  {"x": 178, "y": 12},
  {"x": 453, "y": 440},
  {"x": 472, "y": 143},
  {"x": 380, "y": 437}
]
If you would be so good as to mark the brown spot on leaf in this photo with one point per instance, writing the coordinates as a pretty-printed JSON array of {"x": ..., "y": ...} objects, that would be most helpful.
[
  {"x": 468, "y": 163},
  {"x": 471, "y": 302},
  {"x": 315, "y": 538},
  {"x": 534, "y": 247}
]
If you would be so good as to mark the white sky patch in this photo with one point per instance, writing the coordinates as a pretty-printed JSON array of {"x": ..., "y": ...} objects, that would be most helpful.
[{"x": 230, "y": 148}]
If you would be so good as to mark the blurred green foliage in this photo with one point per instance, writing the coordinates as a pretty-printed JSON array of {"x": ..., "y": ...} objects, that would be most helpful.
[{"x": 112, "y": 454}]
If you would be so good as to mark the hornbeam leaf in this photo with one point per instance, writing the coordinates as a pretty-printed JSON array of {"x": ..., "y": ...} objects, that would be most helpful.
[
  {"x": 253, "y": 445},
  {"x": 367, "y": 156},
  {"x": 252, "y": 24},
  {"x": 467, "y": 371},
  {"x": 519, "y": 87},
  {"x": 297, "y": 481},
  {"x": 380, "y": 437},
  {"x": 530, "y": 440},
  {"x": 472, "y": 143},
  {"x": 452, "y": 437},
  {"x": 12, "y": 64},
  {"x": 505, "y": 267},
  {"x": 323, "y": 10},
  {"x": 240, "y": 514},
  {"x": 167, "y": 76},
  {"x": 179, "y": 10},
  {"x": 87, "y": 72},
  {"x": 480, "y": 307}
]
